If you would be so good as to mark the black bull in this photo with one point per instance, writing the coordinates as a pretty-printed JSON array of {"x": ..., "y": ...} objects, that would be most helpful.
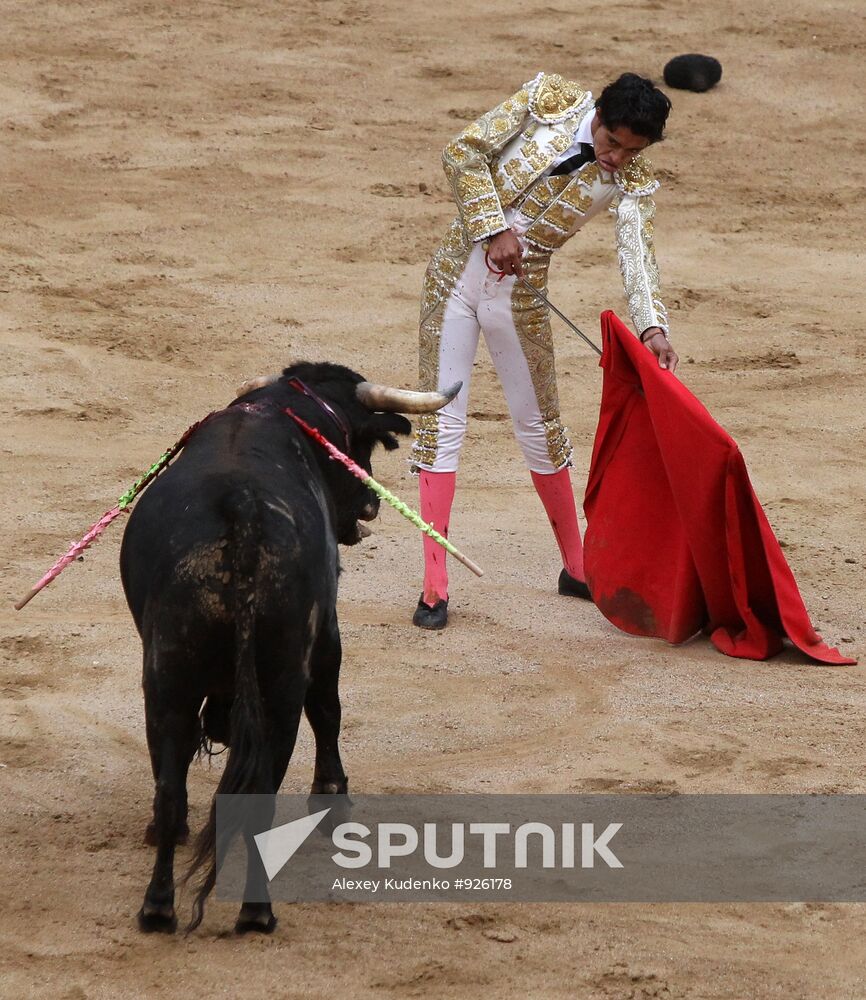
[{"x": 229, "y": 564}]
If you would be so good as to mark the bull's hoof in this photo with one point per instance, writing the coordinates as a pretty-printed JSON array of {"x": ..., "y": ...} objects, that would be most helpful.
[
  {"x": 151, "y": 839},
  {"x": 434, "y": 618},
  {"x": 157, "y": 918},
  {"x": 338, "y": 804},
  {"x": 340, "y": 787},
  {"x": 255, "y": 918}
]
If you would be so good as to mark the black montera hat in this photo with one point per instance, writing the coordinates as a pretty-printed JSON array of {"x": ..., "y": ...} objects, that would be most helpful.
[{"x": 693, "y": 72}]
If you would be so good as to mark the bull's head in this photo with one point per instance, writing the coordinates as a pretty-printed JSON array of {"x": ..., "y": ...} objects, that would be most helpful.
[
  {"x": 385, "y": 398},
  {"x": 373, "y": 415}
]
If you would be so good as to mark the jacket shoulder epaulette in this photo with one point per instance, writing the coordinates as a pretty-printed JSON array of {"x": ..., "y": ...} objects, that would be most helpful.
[
  {"x": 637, "y": 177},
  {"x": 553, "y": 98}
]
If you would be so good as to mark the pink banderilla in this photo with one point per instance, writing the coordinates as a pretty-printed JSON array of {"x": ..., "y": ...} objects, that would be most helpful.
[
  {"x": 384, "y": 494},
  {"x": 96, "y": 530},
  {"x": 124, "y": 502},
  {"x": 72, "y": 554}
]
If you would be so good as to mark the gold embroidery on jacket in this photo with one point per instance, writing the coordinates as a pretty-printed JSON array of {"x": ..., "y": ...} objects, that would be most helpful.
[
  {"x": 542, "y": 194},
  {"x": 577, "y": 199},
  {"x": 555, "y": 215},
  {"x": 512, "y": 176},
  {"x": 468, "y": 187},
  {"x": 534, "y": 156},
  {"x": 546, "y": 237},
  {"x": 561, "y": 217},
  {"x": 466, "y": 161},
  {"x": 637, "y": 177},
  {"x": 519, "y": 175},
  {"x": 555, "y": 98}
]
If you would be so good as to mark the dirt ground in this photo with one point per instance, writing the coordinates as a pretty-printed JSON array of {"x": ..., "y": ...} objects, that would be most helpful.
[{"x": 194, "y": 193}]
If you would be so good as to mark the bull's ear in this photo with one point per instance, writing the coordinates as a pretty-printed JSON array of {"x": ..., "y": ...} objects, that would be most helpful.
[{"x": 382, "y": 427}]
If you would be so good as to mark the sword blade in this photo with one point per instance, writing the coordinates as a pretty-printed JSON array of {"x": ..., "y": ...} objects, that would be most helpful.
[{"x": 562, "y": 316}]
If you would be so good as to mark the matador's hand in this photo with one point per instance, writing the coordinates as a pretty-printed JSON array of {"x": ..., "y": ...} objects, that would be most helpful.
[
  {"x": 504, "y": 253},
  {"x": 659, "y": 344}
]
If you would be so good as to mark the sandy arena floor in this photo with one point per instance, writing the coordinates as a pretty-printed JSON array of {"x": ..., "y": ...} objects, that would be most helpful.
[{"x": 194, "y": 193}]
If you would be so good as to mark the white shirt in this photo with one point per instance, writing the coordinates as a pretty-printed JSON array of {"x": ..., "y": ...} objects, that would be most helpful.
[{"x": 583, "y": 135}]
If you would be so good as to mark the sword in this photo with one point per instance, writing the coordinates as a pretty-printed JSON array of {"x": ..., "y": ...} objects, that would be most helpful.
[{"x": 562, "y": 316}]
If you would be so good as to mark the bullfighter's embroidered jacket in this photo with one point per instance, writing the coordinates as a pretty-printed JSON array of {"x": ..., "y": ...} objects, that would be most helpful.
[{"x": 497, "y": 163}]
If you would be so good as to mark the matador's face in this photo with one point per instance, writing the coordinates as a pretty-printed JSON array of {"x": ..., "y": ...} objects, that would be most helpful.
[{"x": 615, "y": 147}]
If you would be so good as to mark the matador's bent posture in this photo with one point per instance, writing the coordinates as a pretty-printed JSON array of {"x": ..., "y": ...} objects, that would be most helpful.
[{"x": 526, "y": 177}]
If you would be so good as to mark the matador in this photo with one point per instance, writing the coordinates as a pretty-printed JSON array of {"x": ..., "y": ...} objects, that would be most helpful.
[{"x": 526, "y": 177}]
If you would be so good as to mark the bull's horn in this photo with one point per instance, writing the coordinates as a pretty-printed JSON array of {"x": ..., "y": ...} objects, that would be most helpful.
[
  {"x": 259, "y": 382},
  {"x": 389, "y": 400}
]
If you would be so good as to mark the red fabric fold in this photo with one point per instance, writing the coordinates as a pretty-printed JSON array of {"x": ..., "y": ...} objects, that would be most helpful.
[{"x": 677, "y": 541}]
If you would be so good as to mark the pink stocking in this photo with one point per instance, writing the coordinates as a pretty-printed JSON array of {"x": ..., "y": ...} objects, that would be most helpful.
[
  {"x": 437, "y": 495},
  {"x": 558, "y": 499}
]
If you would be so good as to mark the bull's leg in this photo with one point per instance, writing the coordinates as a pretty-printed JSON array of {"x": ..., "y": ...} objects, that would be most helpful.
[
  {"x": 323, "y": 712},
  {"x": 182, "y": 830},
  {"x": 256, "y": 915},
  {"x": 155, "y": 745},
  {"x": 284, "y": 707},
  {"x": 172, "y": 735}
]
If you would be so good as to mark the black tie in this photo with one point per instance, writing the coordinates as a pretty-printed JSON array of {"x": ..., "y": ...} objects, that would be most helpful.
[{"x": 586, "y": 155}]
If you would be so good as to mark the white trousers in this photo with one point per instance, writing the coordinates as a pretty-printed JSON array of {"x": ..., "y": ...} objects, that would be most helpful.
[{"x": 479, "y": 303}]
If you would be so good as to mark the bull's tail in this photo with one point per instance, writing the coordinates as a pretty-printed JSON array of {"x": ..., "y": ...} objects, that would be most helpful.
[{"x": 248, "y": 768}]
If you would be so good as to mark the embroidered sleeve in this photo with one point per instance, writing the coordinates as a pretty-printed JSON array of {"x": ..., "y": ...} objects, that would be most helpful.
[
  {"x": 467, "y": 160},
  {"x": 637, "y": 261}
]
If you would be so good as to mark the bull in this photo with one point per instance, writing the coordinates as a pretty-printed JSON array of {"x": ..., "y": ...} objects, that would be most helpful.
[{"x": 229, "y": 564}]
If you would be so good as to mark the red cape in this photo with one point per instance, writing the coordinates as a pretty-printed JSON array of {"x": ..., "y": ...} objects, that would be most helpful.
[{"x": 677, "y": 540}]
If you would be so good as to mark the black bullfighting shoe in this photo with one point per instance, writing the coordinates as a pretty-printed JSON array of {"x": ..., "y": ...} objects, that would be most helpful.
[
  {"x": 571, "y": 587},
  {"x": 432, "y": 618}
]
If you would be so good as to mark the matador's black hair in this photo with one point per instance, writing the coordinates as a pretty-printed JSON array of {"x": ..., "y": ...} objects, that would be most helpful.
[{"x": 636, "y": 102}]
